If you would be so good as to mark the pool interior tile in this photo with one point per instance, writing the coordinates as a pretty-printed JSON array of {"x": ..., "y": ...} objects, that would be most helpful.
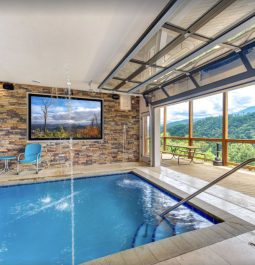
[{"x": 194, "y": 244}]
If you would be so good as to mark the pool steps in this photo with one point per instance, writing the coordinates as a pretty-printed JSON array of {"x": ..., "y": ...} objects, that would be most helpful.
[{"x": 147, "y": 233}]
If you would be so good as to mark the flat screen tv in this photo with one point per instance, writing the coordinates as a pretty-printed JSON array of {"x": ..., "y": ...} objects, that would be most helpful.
[{"x": 62, "y": 118}]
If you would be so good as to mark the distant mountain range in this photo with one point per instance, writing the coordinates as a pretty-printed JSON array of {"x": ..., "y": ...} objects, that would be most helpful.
[
  {"x": 185, "y": 121},
  {"x": 241, "y": 126},
  {"x": 247, "y": 110},
  {"x": 52, "y": 127}
]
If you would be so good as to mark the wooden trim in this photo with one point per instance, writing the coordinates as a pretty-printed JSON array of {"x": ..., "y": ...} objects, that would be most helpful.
[
  {"x": 225, "y": 130},
  {"x": 241, "y": 141},
  {"x": 207, "y": 139},
  {"x": 165, "y": 120},
  {"x": 190, "y": 122},
  {"x": 224, "y": 140},
  {"x": 177, "y": 138}
]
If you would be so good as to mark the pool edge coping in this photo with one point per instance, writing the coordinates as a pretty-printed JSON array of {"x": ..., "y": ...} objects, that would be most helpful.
[{"x": 156, "y": 252}]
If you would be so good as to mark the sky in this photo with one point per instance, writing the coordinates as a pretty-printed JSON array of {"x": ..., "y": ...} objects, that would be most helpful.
[
  {"x": 238, "y": 99},
  {"x": 82, "y": 111}
]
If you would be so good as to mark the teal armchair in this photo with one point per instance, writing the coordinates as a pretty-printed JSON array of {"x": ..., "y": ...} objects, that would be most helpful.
[{"x": 32, "y": 155}]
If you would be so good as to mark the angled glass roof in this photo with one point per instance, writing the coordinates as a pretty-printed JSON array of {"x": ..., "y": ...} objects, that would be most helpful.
[
  {"x": 185, "y": 36},
  {"x": 186, "y": 12},
  {"x": 155, "y": 44},
  {"x": 128, "y": 69},
  {"x": 227, "y": 18},
  {"x": 185, "y": 47}
]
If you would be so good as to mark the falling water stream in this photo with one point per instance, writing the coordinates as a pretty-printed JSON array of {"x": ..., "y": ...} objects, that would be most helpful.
[
  {"x": 124, "y": 142},
  {"x": 71, "y": 173}
]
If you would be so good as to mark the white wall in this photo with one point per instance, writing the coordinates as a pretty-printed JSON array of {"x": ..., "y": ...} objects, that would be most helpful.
[{"x": 155, "y": 134}]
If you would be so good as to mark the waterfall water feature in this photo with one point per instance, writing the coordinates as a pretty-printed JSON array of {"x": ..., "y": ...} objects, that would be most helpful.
[
  {"x": 124, "y": 142},
  {"x": 71, "y": 174}
]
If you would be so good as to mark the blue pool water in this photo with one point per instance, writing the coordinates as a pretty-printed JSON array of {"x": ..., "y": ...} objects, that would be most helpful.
[{"x": 112, "y": 213}]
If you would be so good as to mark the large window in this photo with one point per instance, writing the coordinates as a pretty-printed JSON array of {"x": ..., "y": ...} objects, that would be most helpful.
[
  {"x": 207, "y": 117},
  {"x": 241, "y": 113},
  {"x": 208, "y": 148},
  {"x": 227, "y": 119},
  {"x": 174, "y": 122},
  {"x": 239, "y": 152},
  {"x": 178, "y": 120}
]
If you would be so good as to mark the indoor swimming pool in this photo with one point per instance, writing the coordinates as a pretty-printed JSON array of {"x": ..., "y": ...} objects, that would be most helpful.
[{"x": 111, "y": 213}]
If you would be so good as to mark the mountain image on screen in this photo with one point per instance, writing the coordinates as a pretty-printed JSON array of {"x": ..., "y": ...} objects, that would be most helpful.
[{"x": 53, "y": 117}]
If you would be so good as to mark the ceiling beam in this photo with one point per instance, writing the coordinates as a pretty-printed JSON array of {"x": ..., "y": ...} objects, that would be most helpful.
[
  {"x": 209, "y": 88},
  {"x": 144, "y": 63},
  {"x": 197, "y": 36},
  {"x": 218, "y": 41},
  {"x": 146, "y": 36},
  {"x": 190, "y": 74},
  {"x": 184, "y": 31},
  {"x": 123, "y": 79},
  {"x": 212, "y": 13}
]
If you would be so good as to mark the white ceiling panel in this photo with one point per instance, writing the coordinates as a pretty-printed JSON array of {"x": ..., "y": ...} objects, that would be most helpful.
[{"x": 50, "y": 41}]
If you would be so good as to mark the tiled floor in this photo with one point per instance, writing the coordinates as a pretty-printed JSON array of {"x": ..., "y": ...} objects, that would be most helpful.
[
  {"x": 29, "y": 175},
  {"x": 221, "y": 244},
  {"x": 242, "y": 181}
]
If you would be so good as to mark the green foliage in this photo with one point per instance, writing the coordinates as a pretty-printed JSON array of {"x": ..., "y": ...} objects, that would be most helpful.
[
  {"x": 62, "y": 133},
  {"x": 241, "y": 126},
  {"x": 240, "y": 152},
  {"x": 210, "y": 127}
]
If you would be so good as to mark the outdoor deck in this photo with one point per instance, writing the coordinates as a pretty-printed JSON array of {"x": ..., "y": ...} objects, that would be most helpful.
[{"x": 242, "y": 181}]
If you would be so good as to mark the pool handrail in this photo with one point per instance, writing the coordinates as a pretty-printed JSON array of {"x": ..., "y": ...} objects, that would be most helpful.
[{"x": 191, "y": 196}]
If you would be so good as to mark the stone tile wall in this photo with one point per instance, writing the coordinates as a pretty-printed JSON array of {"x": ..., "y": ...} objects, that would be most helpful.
[{"x": 13, "y": 130}]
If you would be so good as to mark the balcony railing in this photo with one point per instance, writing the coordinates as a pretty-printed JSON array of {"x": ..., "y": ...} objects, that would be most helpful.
[{"x": 191, "y": 140}]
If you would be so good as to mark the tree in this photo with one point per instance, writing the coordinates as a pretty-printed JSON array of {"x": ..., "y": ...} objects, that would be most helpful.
[
  {"x": 46, "y": 103},
  {"x": 95, "y": 122}
]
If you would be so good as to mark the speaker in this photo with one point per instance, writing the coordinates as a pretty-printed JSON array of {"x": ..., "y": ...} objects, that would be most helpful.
[
  {"x": 115, "y": 96},
  {"x": 8, "y": 86}
]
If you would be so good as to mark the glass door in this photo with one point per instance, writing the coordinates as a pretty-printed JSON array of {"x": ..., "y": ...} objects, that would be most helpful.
[{"x": 146, "y": 146}]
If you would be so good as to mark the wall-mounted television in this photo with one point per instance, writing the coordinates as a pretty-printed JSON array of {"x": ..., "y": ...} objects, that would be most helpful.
[{"x": 61, "y": 118}]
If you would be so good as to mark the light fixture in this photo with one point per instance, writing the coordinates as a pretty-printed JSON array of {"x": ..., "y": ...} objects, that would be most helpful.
[
  {"x": 36, "y": 81},
  {"x": 91, "y": 89},
  {"x": 237, "y": 50},
  {"x": 187, "y": 34}
]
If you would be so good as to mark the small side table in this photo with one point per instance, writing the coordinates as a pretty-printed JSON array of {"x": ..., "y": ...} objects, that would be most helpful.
[{"x": 6, "y": 160}]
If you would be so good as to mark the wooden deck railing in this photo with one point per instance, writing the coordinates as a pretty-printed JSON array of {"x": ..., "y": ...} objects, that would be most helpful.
[{"x": 190, "y": 141}]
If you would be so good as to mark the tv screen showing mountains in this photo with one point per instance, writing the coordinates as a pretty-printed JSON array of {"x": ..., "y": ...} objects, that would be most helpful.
[{"x": 58, "y": 118}]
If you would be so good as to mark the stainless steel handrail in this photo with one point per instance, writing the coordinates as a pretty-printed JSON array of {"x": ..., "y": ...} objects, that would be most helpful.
[{"x": 207, "y": 186}]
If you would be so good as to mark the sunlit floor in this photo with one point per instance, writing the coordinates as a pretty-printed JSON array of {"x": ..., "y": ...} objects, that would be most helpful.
[
  {"x": 242, "y": 181},
  {"x": 64, "y": 171}
]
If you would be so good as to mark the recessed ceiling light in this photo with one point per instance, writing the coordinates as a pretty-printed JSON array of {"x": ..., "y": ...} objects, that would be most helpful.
[{"x": 36, "y": 81}]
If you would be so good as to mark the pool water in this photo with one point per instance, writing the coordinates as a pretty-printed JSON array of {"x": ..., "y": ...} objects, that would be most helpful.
[{"x": 112, "y": 213}]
